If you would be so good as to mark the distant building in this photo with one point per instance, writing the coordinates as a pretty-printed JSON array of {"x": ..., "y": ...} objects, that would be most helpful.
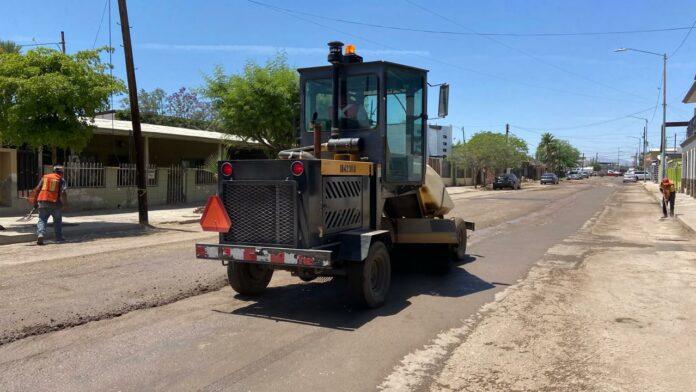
[
  {"x": 439, "y": 148},
  {"x": 652, "y": 159},
  {"x": 439, "y": 140}
]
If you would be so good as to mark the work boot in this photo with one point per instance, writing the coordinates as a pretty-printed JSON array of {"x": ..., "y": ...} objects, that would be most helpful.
[
  {"x": 60, "y": 240},
  {"x": 40, "y": 240}
]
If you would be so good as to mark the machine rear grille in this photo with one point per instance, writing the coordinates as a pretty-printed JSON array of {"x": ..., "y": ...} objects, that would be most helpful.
[
  {"x": 342, "y": 203},
  {"x": 262, "y": 212}
]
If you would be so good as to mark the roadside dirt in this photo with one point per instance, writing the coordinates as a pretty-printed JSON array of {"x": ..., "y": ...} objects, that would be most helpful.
[{"x": 612, "y": 308}]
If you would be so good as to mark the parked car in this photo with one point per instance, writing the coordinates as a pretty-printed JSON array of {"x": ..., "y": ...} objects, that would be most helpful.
[
  {"x": 549, "y": 178},
  {"x": 642, "y": 175},
  {"x": 507, "y": 181},
  {"x": 584, "y": 174},
  {"x": 630, "y": 177},
  {"x": 574, "y": 176}
]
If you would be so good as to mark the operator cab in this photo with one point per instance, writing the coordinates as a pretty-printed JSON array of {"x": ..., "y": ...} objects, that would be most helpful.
[{"x": 383, "y": 104}]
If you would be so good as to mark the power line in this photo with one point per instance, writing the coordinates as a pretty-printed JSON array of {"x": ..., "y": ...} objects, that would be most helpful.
[
  {"x": 96, "y": 36},
  {"x": 657, "y": 103},
  {"x": 40, "y": 44},
  {"x": 301, "y": 16},
  {"x": 590, "y": 124},
  {"x": 498, "y": 34},
  {"x": 684, "y": 39},
  {"x": 524, "y": 52}
]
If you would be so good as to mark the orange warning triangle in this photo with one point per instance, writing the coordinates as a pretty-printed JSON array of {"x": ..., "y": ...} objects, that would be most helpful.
[{"x": 215, "y": 216}]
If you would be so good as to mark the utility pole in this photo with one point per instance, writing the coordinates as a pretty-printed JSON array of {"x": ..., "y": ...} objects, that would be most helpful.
[
  {"x": 507, "y": 132},
  {"x": 663, "y": 141},
  {"x": 618, "y": 159},
  {"x": 135, "y": 114},
  {"x": 62, "y": 41}
]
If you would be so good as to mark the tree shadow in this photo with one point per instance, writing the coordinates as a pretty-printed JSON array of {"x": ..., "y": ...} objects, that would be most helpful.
[{"x": 328, "y": 304}]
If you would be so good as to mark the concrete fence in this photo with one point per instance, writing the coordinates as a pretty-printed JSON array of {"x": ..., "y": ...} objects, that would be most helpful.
[{"x": 112, "y": 196}]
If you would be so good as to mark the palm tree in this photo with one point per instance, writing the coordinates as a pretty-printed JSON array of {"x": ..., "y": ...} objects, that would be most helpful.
[
  {"x": 547, "y": 151},
  {"x": 9, "y": 47}
]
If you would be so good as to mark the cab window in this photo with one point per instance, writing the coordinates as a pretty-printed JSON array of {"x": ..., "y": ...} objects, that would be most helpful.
[
  {"x": 404, "y": 160},
  {"x": 318, "y": 102},
  {"x": 358, "y": 103}
]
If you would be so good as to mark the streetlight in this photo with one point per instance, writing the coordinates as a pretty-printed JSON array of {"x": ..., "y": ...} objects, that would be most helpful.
[
  {"x": 645, "y": 139},
  {"x": 663, "y": 142},
  {"x": 638, "y": 151}
]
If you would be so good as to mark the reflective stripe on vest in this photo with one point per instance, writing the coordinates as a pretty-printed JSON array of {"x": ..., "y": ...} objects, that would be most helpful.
[{"x": 50, "y": 190}]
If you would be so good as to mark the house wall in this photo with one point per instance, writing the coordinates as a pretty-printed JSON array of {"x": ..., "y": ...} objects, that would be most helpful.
[
  {"x": 689, "y": 167},
  {"x": 108, "y": 150},
  {"x": 8, "y": 177},
  {"x": 165, "y": 152},
  {"x": 111, "y": 196},
  {"x": 111, "y": 150}
]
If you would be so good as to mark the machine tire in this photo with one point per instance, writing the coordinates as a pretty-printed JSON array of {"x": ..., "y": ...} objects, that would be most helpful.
[
  {"x": 458, "y": 252},
  {"x": 248, "y": 279},
  {"x": 369, "y": 280}
]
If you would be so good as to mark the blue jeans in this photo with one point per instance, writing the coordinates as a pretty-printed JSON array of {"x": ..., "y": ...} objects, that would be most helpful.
[{"x": 46, "y": 211}]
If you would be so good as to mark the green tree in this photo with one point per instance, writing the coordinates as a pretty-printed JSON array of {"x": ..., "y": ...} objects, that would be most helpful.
[
  {"x": 261, "y": 105},
  {"x": 568, "y": 156},
  {"x": 7, "y": 46},
  {"x": 47, "y": 97},
  {"x": 558, "y": 155},
  {"x": 149, "y": 102},
  {"x": 492, "y": 152}
]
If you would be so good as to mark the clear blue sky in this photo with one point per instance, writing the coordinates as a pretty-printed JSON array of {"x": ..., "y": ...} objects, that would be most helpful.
[{"x": 534, "y": 83}]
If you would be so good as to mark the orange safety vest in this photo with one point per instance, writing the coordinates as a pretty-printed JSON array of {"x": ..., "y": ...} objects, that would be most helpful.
[{"x": 50, "y": 189}]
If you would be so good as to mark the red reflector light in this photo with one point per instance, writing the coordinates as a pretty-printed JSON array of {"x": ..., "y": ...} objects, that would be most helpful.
[
  {"x": 297, "y": 168},
  {"x": 226, "y": 169},
  {"x": 215, "y": 216}
]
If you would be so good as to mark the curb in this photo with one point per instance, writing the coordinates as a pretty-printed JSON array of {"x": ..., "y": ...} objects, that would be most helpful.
[{"x": 15, "y": 238}]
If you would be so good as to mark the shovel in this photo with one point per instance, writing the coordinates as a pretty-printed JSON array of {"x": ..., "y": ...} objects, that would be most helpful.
[{"x": 27, "y": 217}]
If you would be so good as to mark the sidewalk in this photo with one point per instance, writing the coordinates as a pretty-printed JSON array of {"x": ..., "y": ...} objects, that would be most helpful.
[
  {"x": 685, "y": 205},
  {"x": 94, "y": 222},
  {"x": 611, "y": 308}
]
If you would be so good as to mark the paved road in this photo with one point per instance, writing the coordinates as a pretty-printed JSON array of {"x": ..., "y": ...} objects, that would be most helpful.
[{"x": 298, "y": 335}]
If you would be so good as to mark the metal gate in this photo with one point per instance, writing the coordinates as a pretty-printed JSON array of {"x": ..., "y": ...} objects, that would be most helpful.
[
  {"x": 27, "y": 172},
  {"x": 176, "y": 185}
]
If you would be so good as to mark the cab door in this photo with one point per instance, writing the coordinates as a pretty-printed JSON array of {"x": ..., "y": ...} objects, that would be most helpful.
[{"x": 405, "y": 126}]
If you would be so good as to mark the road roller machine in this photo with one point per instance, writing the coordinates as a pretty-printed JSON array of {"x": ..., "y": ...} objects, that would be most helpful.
[{"x": 345, "y": 203}]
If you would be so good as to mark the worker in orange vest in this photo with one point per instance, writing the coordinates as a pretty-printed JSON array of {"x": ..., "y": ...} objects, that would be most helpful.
[
  {"x": 669, "y": 193},
  {"x": 50, "y": 199}
]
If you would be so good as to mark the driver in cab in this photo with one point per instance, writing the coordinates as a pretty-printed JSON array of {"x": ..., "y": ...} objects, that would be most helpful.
[{"x": 354, "y": 115}]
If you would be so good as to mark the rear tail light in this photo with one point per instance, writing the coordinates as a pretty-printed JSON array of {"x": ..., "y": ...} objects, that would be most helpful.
[
  {"x": 297, "y": 168},
  {"x": 226, "y": 169}
]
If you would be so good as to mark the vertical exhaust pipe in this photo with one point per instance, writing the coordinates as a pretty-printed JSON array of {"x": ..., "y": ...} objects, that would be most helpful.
[
  {"x": 317, "y": 137},
  {"x": 336, "y": 59}
]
